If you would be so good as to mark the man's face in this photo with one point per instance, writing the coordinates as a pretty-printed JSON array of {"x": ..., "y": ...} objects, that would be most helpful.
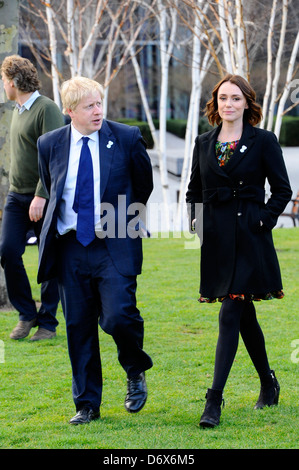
[
  {"x": 87, "y": 117},
  {"x": 8, "y": 87}
]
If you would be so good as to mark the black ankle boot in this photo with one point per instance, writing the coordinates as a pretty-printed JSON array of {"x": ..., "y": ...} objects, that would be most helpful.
[
  {"x": 269, "y": 393},
  {"x": 212, "y": 411}
]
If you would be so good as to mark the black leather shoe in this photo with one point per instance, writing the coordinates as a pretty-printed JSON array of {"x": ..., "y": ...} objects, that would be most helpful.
[
  {"x": 136, "y": 393},
  {"x": 84, "y": 416}
]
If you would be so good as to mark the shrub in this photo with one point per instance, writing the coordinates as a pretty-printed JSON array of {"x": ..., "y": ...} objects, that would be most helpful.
[
  {"x": 289, "y": 133},
  {"x": 178, "y": 126},
  {"x": 144, "y": 129}
]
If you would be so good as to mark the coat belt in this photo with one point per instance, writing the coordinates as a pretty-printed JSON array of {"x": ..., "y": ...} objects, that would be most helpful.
[{"x": 226, "y": 193}]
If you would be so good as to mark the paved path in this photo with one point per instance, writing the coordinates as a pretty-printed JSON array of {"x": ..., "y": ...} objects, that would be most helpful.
[{"x": 175, "y": 152}]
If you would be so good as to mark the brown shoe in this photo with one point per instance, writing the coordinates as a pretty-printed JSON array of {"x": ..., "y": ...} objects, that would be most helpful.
[
  {"x": 42, "y": 333},
  {"x": 22, "y": 329}
]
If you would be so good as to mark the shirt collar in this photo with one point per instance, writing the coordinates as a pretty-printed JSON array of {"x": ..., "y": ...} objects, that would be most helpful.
[
  {"x": 27, "y": 105},
  {"x": 77, "y": 135}
]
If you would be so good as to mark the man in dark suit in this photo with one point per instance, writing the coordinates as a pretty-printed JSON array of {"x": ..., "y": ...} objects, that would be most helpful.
[{"x": 96, "y": 252}]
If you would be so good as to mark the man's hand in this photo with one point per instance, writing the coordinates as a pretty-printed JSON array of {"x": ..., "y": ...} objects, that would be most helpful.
[{"x": 36, "y": 208}]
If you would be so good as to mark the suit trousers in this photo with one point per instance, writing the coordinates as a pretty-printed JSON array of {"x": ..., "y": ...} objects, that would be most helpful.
[
  {"x": 15, "y": 226},
  {"x": 94, "y": 293}
]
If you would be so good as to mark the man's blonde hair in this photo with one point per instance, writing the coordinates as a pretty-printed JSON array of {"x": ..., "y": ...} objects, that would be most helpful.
[{"x": 73, "y": 90}]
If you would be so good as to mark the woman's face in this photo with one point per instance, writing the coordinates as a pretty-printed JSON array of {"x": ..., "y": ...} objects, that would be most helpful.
[{"x": 231, "y": 102}]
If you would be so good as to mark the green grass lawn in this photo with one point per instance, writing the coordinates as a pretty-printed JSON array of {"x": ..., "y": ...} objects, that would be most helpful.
[{"x": 180, "y": 335}]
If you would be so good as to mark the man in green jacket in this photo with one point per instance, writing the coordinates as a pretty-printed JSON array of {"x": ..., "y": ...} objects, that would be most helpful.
[{"x": 25, "y": 206}]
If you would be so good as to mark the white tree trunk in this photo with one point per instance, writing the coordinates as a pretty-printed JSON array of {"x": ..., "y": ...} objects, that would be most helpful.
[
  {"x": 222, "y": 8},
  {"x": 53, "y": 50},
  {"x": 242, "y": 65},
  {"x": 165, "y": 53},
  {"x": 269, "y": 64},
  {"x": 192, "y": 120},
  {"x": 108, "y": 71},
  {"x": 71, "y": 51},
  {"x": 286, "y": 91},
  {"x": 144, "y": 100},
  {"x": 278, "y": 65},
  {"x": 199, "y": 70},
  {"x": 114, "y": 34}
]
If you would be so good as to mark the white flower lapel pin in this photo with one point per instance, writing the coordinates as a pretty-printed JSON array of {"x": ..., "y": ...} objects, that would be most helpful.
[
  {"x": 109, "y": 145},
  {"x": 242, "y": 150}
]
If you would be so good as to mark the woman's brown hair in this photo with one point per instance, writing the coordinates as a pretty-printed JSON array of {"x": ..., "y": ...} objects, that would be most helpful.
[{"x": 253, "y": 114}]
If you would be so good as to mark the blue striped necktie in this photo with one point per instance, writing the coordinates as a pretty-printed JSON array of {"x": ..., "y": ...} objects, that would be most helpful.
[{"x": 84, "y": 196}]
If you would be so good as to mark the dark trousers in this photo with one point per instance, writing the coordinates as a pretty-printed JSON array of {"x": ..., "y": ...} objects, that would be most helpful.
[
  {"x": 15, "y": 226},
  {"x": 93, "y": 292}
]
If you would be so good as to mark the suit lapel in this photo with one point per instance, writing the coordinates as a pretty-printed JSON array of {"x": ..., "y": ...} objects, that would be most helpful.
[
  {"x": 61, "y": 152},
  {"x": 107, "y": 146},
  {"x": 208, "y": 146},
  {"x": 107, "y": 149},
  {"x": 245, "y": 144}
]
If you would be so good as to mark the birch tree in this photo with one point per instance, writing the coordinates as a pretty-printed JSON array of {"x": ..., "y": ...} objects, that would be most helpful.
[
  {"x": 233, "y": 37},
  {"x": 53, "y": 52},
  {"x": 79, "y": 28},
  {"x": 166, "y": 16},
  {"x": 167, "y": 37},
  {"x": 129, "y": 37},
  {"x": 224, "y": 30},
  {"x": 269, "y": 62},
  {"x": 274, "y": 85},
  {"x": 273, "y": 97},
  {"x": 290, "y": 75},
  {"x": 199, "y": 69}
]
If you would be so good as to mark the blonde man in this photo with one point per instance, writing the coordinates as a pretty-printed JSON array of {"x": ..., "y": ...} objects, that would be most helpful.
[{"x": 90, "y": 167}]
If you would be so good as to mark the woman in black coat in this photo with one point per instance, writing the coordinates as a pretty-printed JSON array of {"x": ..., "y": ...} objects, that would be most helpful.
[{"x": 238, "y": 260}]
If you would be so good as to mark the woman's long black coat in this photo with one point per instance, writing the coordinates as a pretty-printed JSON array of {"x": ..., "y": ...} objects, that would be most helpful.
[{"x": 237, "y": 253}]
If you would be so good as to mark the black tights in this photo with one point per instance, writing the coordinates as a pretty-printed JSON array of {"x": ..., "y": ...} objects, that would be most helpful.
[{"x": 238, "y": 316}]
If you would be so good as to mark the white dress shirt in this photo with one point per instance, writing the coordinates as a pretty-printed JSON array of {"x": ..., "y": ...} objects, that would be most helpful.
[{"x": 67, "y": 217}]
